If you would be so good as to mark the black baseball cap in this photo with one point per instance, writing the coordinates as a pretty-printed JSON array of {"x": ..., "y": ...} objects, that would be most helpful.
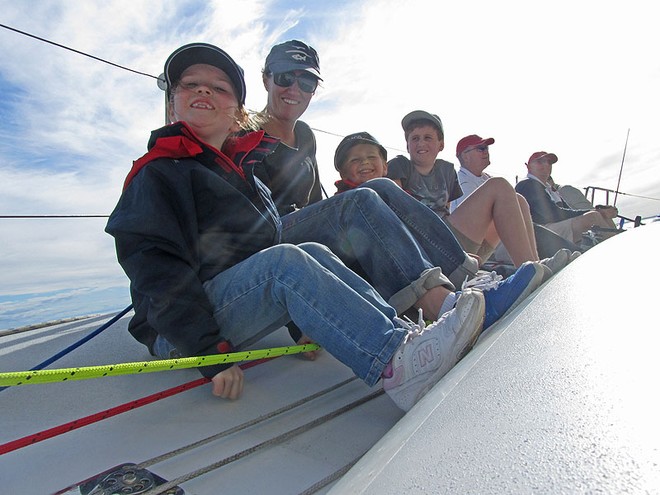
[
  {"x": 204, "y": 53},
  {"x": 293, "y": 55},
  {"x": 353, "y": 140}
]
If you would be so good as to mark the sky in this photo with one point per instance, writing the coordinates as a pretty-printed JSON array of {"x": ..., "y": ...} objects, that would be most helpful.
[{"x": 578, "y": 79}]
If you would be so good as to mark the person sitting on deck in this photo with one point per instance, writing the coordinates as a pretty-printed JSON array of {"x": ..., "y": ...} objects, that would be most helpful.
[{"x": 565, "y": 221}]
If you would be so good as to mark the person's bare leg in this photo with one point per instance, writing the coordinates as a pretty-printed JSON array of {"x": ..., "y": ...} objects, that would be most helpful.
[
  {"x": 495, "y": 201},
  {"x": 529, "y": 225},
  {"x": 585, "y": 222},
  {"x": 491, "y": 236}
]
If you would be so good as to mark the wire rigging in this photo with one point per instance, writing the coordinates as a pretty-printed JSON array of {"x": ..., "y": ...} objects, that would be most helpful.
[
  {"x": 77, "y": 51},
  {"x": 59, "y": 45}
]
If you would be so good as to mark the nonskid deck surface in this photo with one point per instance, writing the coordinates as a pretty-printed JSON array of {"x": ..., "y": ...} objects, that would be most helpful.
[
  {"x": 286, "y": 453},
  {"x": 558, "y": 397}
]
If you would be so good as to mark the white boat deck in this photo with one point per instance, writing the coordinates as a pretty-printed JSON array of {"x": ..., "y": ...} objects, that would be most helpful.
[
  {"x": 288, "y": 466},
  {"x": 559, "y": 397}
]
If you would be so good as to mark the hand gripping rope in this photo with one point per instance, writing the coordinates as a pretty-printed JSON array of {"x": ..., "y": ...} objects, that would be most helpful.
[{"x": 15, "y": 378}]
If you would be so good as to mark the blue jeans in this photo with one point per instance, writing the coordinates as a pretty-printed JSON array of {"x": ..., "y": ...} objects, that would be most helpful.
[
  {"x": 435, "y": 239},
  {"x": 362, "y": 230},
  {"x": 310, "y": 286}
]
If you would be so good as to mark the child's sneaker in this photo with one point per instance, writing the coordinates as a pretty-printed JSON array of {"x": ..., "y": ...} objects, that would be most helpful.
[
  {"x": 503, "y": 296},
  {"x": 428, "y": 353}
]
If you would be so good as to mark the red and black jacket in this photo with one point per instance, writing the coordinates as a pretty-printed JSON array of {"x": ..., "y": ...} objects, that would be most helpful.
[{"x": 189, "y": 211}]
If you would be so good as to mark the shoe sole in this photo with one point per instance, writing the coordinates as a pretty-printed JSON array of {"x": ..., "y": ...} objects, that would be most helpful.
[{"x": 472, "y": 326}]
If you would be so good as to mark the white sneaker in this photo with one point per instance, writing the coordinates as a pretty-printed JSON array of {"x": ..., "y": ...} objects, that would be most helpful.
[
  {"x": 428, "y": 353},
  {"x": 483, "y": 281},
  {"x": 560, "y": 259}
]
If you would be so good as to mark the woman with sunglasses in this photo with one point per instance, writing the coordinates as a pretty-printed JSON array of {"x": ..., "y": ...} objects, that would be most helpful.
[{"x": 291, "y": 75}]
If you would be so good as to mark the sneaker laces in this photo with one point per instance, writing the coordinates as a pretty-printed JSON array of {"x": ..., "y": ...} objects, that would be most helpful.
[
  {"x": 413, "y": 329},
  {"x": 483, "y": 282}
]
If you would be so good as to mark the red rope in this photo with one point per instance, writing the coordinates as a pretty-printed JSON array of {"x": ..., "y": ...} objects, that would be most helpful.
[{"x": 108, "y": 413}]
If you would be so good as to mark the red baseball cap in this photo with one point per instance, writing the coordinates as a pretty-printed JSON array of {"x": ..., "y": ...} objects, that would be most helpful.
[
  {"x": 542, "y": 154},
  {"x": 472, "y": 140}
]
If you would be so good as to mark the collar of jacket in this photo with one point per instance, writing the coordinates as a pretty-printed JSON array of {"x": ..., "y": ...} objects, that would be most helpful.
[
  {"x": 177, "y": 141},
  {"x": 344, "y": 185}
]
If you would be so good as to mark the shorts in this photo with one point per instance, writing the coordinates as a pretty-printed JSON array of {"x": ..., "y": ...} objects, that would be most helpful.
[
  {"x": 563, "y": 229},
  {"x": 483, "y": 250}
]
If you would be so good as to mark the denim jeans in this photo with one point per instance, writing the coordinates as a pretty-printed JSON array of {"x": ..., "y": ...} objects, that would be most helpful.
[
  {"x": 435, "y": 239},
  {"x": 310, "y": 286},
  {"x": 360, "y": 228}
]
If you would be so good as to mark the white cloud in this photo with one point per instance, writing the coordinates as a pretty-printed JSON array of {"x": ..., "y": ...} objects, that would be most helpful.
[{"x": 568, "y": 77}]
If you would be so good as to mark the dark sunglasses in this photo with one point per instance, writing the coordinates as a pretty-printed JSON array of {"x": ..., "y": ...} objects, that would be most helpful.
[
  {"x": 306, "y": 83},
  {"x": 481, "y": 148}
]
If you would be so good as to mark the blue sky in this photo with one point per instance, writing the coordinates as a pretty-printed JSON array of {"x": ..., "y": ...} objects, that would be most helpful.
[{"x": 566, "y": 77}]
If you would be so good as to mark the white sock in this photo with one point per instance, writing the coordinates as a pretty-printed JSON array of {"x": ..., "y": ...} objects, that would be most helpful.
[{"x": 448, "y": 304}]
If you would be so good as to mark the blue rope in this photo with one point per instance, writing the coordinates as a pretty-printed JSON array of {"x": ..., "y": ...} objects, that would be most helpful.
[{"x": 75, "y": 345}]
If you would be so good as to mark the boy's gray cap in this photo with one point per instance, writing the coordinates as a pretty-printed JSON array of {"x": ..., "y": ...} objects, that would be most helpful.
[{"x": 421, "y": 115}]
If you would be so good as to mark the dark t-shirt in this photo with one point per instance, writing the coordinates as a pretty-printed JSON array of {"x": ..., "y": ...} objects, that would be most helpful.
[
  {"x": 435, "y": 190},
  {"x": 292, "y": 174}
]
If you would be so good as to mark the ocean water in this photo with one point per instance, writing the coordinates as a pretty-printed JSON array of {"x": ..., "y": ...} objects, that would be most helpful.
[{"x": 22, "y": 310}]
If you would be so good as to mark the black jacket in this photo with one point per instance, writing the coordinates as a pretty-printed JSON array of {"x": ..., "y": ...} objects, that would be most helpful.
[
  {"x": 187, "y": 213},
  {"x": 543, "y": 209}
]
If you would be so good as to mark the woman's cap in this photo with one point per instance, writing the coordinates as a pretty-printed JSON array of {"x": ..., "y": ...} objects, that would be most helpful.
[
  {"x": 353, "y": 140},
  {"x": 293, "y": 55},
  {"x": 204, "y": 53},
  {"x": 421, "y": 115}
]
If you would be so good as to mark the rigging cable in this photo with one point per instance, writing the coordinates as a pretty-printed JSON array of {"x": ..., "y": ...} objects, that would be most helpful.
[
  {"x": 77, "y": 51},
  {"x": 157, "y": 78}
]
